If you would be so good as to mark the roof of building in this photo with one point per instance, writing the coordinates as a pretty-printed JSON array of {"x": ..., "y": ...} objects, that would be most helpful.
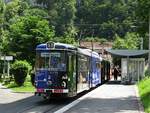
[
  {"x": 96, "y": 45},
  {"x": 127, "y": 52}
]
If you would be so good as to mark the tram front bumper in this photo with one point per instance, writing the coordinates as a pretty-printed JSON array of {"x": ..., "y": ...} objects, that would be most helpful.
[{"x": 50, "y": 91}]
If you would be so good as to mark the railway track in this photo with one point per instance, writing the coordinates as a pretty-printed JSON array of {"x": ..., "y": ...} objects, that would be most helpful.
[
  {"x": 53, "y": 105},
  {"x": 34, "y": 104},
  {"x": 46, "y": 106}
]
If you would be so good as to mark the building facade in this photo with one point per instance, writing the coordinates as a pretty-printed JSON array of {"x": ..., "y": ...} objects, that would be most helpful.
[{"x": 98, "y": 47}]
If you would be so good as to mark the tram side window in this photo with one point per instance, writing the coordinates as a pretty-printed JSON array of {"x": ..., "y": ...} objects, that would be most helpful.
[
  {"x": 98, "y": 65},
  {"x": 83, "y": 69},
  {"x": 83, "y": 63}
]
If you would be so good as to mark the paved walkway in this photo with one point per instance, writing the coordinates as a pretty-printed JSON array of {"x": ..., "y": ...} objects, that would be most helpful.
[
  {"x": 7, "y": 96},
  {"x": 108, "y": 98}
]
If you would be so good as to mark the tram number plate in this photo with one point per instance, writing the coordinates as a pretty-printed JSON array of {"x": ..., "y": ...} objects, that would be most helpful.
[{"x": 58, "y": 91}]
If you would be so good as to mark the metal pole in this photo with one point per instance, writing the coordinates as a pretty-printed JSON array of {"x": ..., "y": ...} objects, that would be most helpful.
[
  {"x": 4, "y": 66},
  {"x": 92, "y": 44},
  {"x": 141, "y": 44},
  {"x": 92, "y": 58},
  {"x": 149, "y": 45},
  {"x": 128, "y": 75},
  {"x": 92, "y": 40},
  {"x": 80, "y": 38},
  {"x": 8, "y": 68},
  {"x": 138, "y": 71}
]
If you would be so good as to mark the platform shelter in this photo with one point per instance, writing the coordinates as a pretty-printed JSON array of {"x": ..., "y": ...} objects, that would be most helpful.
[{"x": 132, "y": 64}]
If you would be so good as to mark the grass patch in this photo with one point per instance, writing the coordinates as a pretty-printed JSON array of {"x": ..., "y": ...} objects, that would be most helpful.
[
  {"x": 144, "y": 91},
  {"x": 27, "y": 87}
]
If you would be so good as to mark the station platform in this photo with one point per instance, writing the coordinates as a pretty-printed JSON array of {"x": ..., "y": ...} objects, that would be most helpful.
[{"x": 111, "y": 97}]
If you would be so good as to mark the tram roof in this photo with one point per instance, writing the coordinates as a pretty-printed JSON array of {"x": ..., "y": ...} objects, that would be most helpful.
[
  {"x": 84, "y": 51},
  {"x": 89, "y": 52},
  {"x": 57, "y": 46}
]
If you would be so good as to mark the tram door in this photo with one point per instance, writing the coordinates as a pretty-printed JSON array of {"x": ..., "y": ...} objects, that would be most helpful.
[{"x": 72, "y": 73}]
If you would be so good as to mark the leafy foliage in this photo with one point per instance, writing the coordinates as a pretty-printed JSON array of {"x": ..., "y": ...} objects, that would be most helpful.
[
  {"x": 143, "y": 9},
  {"x": 144, "y": 91},
  {"x": 131, "y": 41},
  {"x": 143, "y": 13},
  {"x": 2, "y": 8},
  {"x": 26, "y": 33},
  {"x": 65, "y": 39},
  {"x": 20, "y": 70},
  {"x": 147, "y": 73},
  {"x": 61, "y": 15},
  {"x": 107, "y": 18},
  {"x": 23, "y": 24},
  {"x": 15, "y": 8}
]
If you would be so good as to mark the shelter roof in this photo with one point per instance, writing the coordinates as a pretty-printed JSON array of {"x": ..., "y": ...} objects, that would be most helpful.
[{"x": 127, "y": 53}]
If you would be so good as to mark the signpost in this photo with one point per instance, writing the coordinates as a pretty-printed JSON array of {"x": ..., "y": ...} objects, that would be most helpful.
[{"x": 8, "y": 59}]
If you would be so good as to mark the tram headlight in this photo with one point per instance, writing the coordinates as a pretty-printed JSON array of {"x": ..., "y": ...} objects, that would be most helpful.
[
  {"x": 64, "y": 84},
  {"x": 49, "y": 82}
]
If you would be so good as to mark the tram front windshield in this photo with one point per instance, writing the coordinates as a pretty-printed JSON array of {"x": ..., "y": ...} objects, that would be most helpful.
[{"x": 53, "y": 61}]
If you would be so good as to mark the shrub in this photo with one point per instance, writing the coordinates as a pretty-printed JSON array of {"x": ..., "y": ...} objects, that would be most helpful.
[
  {"x": 20, "y": 69},
  {"x": 147, "y": 73}
]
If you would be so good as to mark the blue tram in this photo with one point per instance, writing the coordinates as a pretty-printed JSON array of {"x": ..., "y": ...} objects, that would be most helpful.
[{"x": 63, "y": 70}]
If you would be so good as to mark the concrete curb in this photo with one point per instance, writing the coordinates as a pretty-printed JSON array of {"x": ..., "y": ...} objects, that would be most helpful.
[
  {"x": 141, "y": 108},
  {"x": 23, "y": 92},
  {"x": 5, "y": 89}
]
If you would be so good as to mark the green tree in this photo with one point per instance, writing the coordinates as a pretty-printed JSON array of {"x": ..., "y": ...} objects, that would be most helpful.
[
  {"x": 65, "y": 39},
  {"x": 130, "y": 41},
  {"x": 26, "y": 32},
  {"x": 106, "y": 17},
  {"x": 15, "y": 8},
  {"x": 143, "y": 12},
  {"x": 36, "y": 12},
  {"x": 2, "y": 8},
  {"x": 4, "y": 42},
  {"x": 8, "y": 11},
  {"x": 118, "y": 43},
  {"x": 61, "y": 15},
  {"x": 3, "y": 31}
]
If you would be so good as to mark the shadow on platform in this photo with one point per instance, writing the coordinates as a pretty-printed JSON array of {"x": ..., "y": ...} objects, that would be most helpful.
[{"x": 114, "y": 82}]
